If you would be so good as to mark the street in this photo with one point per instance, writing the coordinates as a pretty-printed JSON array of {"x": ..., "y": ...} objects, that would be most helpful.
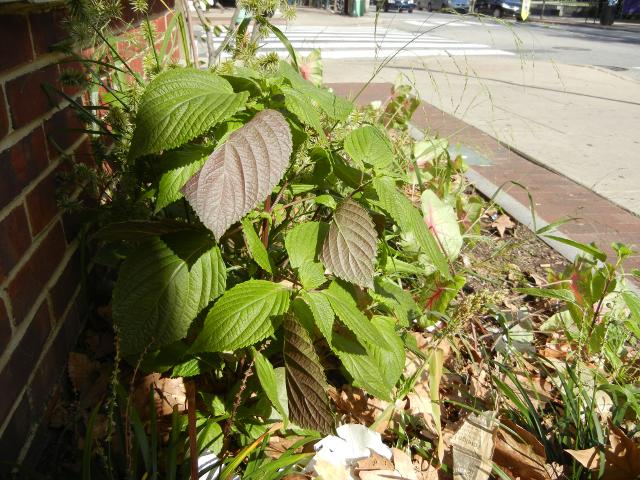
[
  {"x": 549, "y": 92},
  {"x": 566, "y": 96}
]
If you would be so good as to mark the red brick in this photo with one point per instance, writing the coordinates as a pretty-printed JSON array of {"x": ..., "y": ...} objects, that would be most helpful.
[
  {"x": 41, "y": 203},
  {"x": 47, "y": 29},
  {"x": 31, "y": 279},
  {"x": 16, "y": 433},
  {"x": 16, "y": 47},
  {"x": 27, "y": 97},
  {"x": 160, "y": 25},
  {"x": 17, "y": 371},
  {"x": 14, "y": 239},
  {"x": 63, "y": 130},
  {"x": 5, "y": 327},
  {"x": 4, "y": 115},
  {"x": 21, "y": 163},
  {"x": 53, "y": 363},
  {"x": 66, "y": 286},
  {"x": 136, "y": 64}
]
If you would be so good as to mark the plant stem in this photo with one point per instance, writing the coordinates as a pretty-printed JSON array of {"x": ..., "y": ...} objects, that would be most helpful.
[{"x": 265, "y": 222}]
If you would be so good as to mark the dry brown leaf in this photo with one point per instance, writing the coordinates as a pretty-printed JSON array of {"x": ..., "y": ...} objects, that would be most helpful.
[
  {"x": 278, "y": 445},
  {"x": 424, "y": 469},
  {"x": 589, "y": 458},
  {"x": 522, "y": 455},
  {"x": 403, "y": 464},
  {"x": 473, "y": 447},
  {"x": 537, "y": 388},
  {"x": 555, "y": 350},
  {"x": 82, "y": 371},
  {"x": 401, "y": 469},
  {"x": 502, "y": 224},
  {"x": 358, "y": 407},
  {"x": 374, "y": 462},
  {"x": 167, "y": 393},
  {"x": 622, "y": 458}
]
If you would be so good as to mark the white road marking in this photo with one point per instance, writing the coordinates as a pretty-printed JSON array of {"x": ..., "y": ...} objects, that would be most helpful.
[
  {"x": 431, "y": 22},
  {"x": 370, "y": 43}
]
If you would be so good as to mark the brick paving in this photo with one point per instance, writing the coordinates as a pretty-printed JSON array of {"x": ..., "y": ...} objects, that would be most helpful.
[{"x": 555, "y": 196}]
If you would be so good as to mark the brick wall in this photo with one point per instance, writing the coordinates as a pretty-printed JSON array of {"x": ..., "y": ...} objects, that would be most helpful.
[{"x": 42, "y": 308}]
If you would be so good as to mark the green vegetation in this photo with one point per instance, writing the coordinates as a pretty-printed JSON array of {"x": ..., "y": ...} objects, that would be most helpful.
[{"x": 270, "y": 243}]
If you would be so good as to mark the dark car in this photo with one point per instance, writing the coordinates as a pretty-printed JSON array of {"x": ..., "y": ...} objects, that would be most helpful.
[
  {"x": 399, "y": 5},
  {"x": 498, "y": 8},
  {"x": 461, "y": 6}
]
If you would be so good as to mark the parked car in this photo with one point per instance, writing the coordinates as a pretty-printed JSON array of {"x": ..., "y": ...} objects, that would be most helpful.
[
  {"x": 461, "y": 6},
  {"x": 399, "y": 5},
  {"x": 499, "y": 8}
]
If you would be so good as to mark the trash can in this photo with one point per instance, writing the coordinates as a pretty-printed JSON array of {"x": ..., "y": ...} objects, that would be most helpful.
[
  {"x": 357, "y": 7},
  {"x": 608, "y": 12}
]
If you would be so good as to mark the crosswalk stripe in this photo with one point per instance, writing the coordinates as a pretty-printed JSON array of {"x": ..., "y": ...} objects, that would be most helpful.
[
  {"x": 358, "y": 45},
  {"x": 370, "y": 43},
  {"x": 449, "y": 23}
]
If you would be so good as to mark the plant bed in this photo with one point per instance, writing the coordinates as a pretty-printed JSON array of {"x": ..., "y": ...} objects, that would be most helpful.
[{"x": 292, "y": 276}]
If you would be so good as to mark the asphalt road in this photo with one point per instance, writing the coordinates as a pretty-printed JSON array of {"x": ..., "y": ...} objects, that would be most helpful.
[{"x": 615, "y": 50}]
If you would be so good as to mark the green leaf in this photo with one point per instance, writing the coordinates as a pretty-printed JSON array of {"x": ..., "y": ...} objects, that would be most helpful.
[
  {"x": 158, "y": 293},
  {"x": 334, "y": 107},
  {"x": 405, "y": 307},
  {"x": 243, "y": 316},
  {"x": 369, "y": 145},
  {"x": 409, "y": 219},
  {"x": 210, "y": 437},
  {"x": 553, "y": 293},
  {"x": 633, "y": 303},
  {"x": 182, "y": 165},
  {"x": 180, "y": 104},
  {"x": 267, "y": 377},
  {"x": 327, "y": 201},
  {"x": 442, "y": 222},
  {"x": 375, "y": 369},
  {"x": 350, "y": 247},
  {"x": 347, "y": 311},
  {"x": 256, "y": 247},
  {"x": 297, "y": 104},
  {"x": 592, "y": 250},
  {"x": 306, "y": 383},
  {"x": 311, "y": 275},
  {"x": 321, "y": 311},
  {"x": 303, "y": 242},
  {"x": 427, "y": 150}
]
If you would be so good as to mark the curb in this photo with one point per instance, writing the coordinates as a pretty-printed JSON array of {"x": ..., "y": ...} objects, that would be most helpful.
[
  {"x": 619, "y": 27},
  {"x": 519, "y": 211}
]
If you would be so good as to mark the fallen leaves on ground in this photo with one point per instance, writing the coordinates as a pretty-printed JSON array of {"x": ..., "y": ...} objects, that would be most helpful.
[
  {"x": 401, "y": 469},
  {"x": 622, "y": 457},
  {"x": 520, "y": 454},
  {"x": 167, "y": 394},
  {"x": 502, "y": 224}
]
